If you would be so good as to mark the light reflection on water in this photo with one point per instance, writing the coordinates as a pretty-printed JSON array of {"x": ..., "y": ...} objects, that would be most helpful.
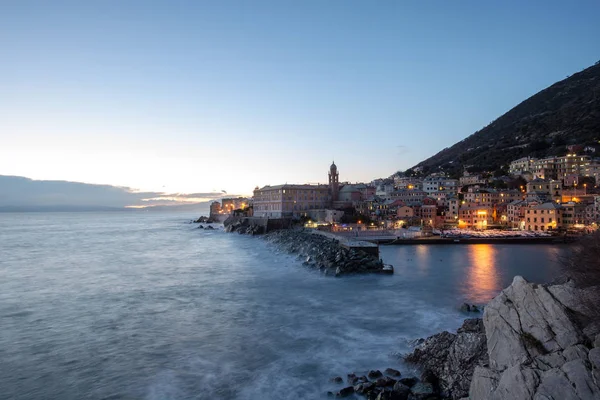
[
  {"x": 472, "y": 273},
  {"x": 482, "y": 274},
  {"x": 143, "y": 306}
]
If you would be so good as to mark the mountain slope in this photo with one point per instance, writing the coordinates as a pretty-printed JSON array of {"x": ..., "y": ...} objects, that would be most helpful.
[{"x": 567, "y": 112}]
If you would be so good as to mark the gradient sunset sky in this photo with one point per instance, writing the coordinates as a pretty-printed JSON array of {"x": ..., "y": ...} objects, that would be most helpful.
[{"x": 199, "y": 96}]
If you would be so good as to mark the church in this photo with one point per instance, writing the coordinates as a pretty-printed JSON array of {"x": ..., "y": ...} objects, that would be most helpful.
[{"x": 295, "y": 200}]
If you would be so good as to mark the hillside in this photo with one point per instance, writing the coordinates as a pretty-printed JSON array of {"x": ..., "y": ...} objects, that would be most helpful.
[{"x": 568, "y": 112}]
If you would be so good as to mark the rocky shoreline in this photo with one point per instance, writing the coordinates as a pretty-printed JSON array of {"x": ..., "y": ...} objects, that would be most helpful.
[
  {"x": 389, "y": 385},
  {"x": 326, "y": 254},
  {"x": 319, "y": 252},
  {"x": 534, "y": 342}
]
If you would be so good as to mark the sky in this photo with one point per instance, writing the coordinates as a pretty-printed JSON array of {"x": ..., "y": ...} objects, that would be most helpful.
[{"x": 205, "y": 96}]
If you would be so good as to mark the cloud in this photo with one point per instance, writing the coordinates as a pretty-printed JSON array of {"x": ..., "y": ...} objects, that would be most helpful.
[{"x": 16, "y": 191}]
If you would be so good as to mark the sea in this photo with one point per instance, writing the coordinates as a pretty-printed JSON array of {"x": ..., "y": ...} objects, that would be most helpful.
[{"x": 141, "y": 305}]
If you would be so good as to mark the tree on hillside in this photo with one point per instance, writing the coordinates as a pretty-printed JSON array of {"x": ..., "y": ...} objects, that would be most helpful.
[
  {"x": 590, "y": 181},
  {"x": 517, "y": 183}
]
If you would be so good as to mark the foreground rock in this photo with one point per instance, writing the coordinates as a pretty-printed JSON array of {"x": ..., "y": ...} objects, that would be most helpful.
[
  {"x": 534, "y": 342},
  {"x": 537, "y": 348},
  {"x": 452, "y": 358},
  {"x": 202, "y": 220},
  {"x": 326, "y": 254},
  {"x": 376, "y": 385}
]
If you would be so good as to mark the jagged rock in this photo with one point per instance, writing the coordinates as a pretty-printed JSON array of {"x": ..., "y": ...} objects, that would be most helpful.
[
  {"x": 594, "y": 357},
  {"x": 525, "y": 320},
  {"x": 483, "y": 383},
  {"x": 337, "y": 379},
  {"x": 549, "y": 361},
  {"x": 536, "y": 349},
  {"x": 452, "y": 358},
  {"x": 474, "y": 325},
  {"x": 392, "y": 372},
  {"x": 577, "y": 352}
]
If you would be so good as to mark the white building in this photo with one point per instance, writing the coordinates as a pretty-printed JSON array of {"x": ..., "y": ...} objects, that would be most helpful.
[
  {"x": 525, "y": 164},
  {"x": 433, "y": 184}
]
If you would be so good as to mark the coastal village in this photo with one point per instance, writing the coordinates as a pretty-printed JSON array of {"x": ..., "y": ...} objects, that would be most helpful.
[{"x": 555, "y": 195}]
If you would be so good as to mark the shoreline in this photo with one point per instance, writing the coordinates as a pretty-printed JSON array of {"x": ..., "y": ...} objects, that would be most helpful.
[{"x": 538, "y": 240}]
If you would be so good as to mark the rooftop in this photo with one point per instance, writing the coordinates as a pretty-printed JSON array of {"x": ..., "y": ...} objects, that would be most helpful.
[{"x": 294, "y": 186}]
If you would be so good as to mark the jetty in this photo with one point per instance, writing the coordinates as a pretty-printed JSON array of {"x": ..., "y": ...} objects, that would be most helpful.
[{"x": 351, "y": 243}]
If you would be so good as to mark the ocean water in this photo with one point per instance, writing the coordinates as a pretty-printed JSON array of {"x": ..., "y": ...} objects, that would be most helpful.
[{"x": 146, "y": 306}]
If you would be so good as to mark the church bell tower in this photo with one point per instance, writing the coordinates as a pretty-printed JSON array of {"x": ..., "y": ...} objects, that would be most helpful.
[{"x": 334, "y": 182}]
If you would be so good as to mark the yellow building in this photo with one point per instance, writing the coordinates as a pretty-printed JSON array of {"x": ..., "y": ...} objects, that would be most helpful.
[{"x": 543, "y": 217}]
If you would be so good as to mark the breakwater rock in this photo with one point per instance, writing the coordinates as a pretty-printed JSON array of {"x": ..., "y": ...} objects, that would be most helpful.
[
  {"x": 387, "y": 385},
  {"x": 245, "y": 226},
  {"x": 326, "y": 254},
  {"x": 537, "y": 342}
]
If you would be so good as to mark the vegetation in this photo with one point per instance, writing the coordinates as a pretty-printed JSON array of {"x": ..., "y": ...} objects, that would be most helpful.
[
  {"x": 583, "y": 267},
  {"x": 565, "y": 113},
  {"x": 583, "y": 264},
  {"x": 351, "y": 217}
]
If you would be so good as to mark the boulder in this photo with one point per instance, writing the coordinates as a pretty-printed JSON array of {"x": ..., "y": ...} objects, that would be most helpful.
[
  {"x": 401, "y": 391},
  {"x": 337, "y": 379},
  {"x": 352, "y": 379},
  {"x": 345, "y": 392},
  {"x": 422, "y": 390},
  {"x": 363, "y": 388},
  {"x": 465, "y": 307},
  {"x": 410, "y": 382},
  {"x": 392, "y": 372},
  {"x": 385, "y": 381},
  {"x": 374, "y": 374}
]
